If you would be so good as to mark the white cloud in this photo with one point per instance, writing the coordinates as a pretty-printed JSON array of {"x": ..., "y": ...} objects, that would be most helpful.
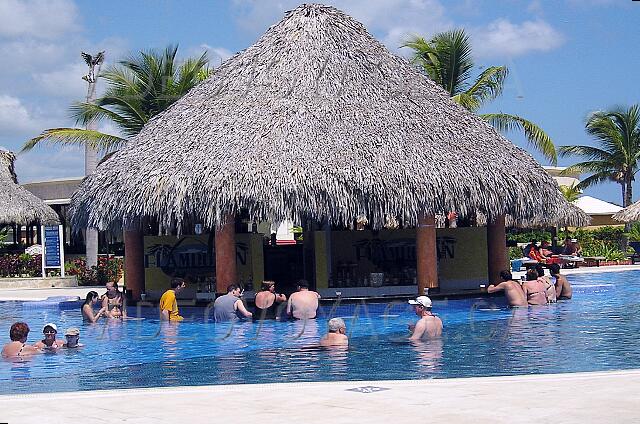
[
  {"x": 16, "y": 118},
  {"x": 216, "y": 55},
  {"x": 391, "y": 21},
  {"x": 37, "y": 18},
  {"x": 66, "y": 81},
  {"x": 501, "y": 38}
]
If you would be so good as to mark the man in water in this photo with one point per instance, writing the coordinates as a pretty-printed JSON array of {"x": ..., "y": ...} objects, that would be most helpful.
[
  {"x": 563, "y": 288},
  {"x": 428, "y": 326},
  {"x": 337, "y": 334},
  {"x": 169, "y": 304},
  {"x": 73, "y": 336},
  {"x": 534, "y": 289},
  {"x": 230, "y": 307},
  {"x": 304, "y": 303},
  {"x": 512, "y": 289},
  {"x": 49, "y": 342}
]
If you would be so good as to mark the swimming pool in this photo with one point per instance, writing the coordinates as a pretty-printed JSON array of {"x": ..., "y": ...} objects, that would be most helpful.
[{"x": 596, "y": 330}]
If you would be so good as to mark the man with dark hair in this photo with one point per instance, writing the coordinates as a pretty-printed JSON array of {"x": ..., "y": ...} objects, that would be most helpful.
[
  {"x": 169, "y": 304},
  {"x": 304, "y": 303},
  {"x": 230, "y": 307},
  {"x": 563, "y": 288},
  {"x": 512, "y": 289}
]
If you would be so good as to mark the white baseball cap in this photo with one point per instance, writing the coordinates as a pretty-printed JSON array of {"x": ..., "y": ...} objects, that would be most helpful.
[
  {"x": 422, "y": 301},
  {"x": 52, "y": 325}
]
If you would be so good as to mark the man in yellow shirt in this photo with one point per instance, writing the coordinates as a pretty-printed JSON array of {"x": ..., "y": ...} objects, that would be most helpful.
[{"x": 168, "y": 303}]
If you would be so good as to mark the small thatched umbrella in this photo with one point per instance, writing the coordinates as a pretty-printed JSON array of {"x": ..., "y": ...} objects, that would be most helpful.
[
  {"x": 18, "y": 205},
  {"x": 318, "y": 120},
  {"x": 629, "y": 214}
]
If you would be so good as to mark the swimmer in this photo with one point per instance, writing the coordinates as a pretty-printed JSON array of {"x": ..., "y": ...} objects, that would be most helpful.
[
  {"x": 428, "y": 326},
  {"x": 73, "y": 336},
  {"x": 18, "y": 347},
  {"x": 87, "y": 308},
  {"x": 562, "y": 286},
  {"x": 534, "y": 289},
  {"x": 303, "y": 304},
  {"x": 113, "y": 301},
  {"x": 512, "y": 289},
  {"x": 337, "y": 334},
  {"x": 49, "y": 343}
]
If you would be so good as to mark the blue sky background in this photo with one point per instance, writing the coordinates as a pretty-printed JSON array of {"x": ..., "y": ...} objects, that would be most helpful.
[{"x": 566, "y": 57}]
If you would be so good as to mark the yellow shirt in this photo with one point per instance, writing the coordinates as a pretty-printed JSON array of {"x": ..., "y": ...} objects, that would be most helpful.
[{"x": 168, "y": 303}]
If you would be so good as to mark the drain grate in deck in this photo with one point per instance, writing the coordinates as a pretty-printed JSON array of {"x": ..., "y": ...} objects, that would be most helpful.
[{"x": 368, "y": 389}]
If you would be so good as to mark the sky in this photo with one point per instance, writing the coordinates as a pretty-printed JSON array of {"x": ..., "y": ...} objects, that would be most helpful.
[{"x": 566, "y": 58}]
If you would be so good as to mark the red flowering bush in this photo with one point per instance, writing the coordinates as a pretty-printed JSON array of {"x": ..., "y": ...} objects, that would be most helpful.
[
  {"x": 20, "y": 265},
  {"x": 109, "y": 269}
]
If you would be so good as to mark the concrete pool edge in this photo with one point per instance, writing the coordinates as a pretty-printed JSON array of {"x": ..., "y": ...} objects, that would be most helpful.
[{"x": 602, "y": 396}]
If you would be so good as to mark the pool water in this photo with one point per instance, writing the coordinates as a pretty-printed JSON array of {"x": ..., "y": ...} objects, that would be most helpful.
[{"x": 596, "y": 330}]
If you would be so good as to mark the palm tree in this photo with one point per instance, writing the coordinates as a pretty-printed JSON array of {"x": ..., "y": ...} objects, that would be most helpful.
[
  {"x": 570, "y": 193},
  {"x": 617, "y": 133},
  {"x": 138, "y": 88},
  {"x": 447, "y": 60}
]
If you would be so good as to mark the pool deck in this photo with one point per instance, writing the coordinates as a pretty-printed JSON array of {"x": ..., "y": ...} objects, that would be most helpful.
[
  {"x": 81, "y": 292},
  {"x": 599, "y": 397}
]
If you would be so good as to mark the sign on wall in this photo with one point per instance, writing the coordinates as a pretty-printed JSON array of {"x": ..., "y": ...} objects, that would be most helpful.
[
  {"x": 194, "y": 257},
  {"x": 53, "y": 249},
  {"x": 462, "y": 257}
]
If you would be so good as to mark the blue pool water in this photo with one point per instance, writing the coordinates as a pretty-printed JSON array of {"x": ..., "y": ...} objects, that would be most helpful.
[{"x": 596, "y": 330}]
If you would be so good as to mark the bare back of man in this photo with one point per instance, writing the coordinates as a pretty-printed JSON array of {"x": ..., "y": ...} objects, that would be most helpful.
[
  {"x": 334, "y": 339},
  {"x": 512, "y": 291},
  {"x": 303, "y": 304},
  {"x": 535, "y": 292},
  {"x": 427, "y": 327},
  {"x": 563, "y": 288}
]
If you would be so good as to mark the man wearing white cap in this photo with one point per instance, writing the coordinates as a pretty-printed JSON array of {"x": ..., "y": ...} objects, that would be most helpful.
[
  {"x": 428, "y": 326},
  {"x": 49, "y": 342}
]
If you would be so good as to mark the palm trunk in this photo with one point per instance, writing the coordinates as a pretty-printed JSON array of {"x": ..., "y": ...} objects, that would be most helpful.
[
  {"x": 628, "y": 195},
  {"x": 90, "y": 164}
]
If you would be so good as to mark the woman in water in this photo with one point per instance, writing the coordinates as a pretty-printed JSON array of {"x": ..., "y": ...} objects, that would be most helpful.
[
  {"x": 18, "y": 346},
  {"x": 87, "y": 308},
  {"x": 113, "y": 302},
  {"x": 267, "y": 301}
]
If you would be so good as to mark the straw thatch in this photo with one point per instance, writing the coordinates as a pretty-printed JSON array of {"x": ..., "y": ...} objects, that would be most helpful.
[
  {"x": 569, "y": 216},
  {"x": 18, "y": 205},
  {"x": 629, "y": 214},
  {"x": 318, "y": 120}
]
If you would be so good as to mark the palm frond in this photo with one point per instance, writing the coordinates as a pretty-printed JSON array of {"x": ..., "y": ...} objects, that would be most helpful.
[
  {"x": 533, "y": 133},
  {"x": 487, "y": 87},
  {"x": 76, "y": 136}
]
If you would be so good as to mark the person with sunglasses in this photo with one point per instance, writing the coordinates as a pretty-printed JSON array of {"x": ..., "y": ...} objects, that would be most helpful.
[{"x": 49, "y": 342}]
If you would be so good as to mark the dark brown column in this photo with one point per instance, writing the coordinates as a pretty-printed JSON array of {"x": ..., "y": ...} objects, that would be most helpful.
[
  {"x": 225, "y": 246},
  {"x": 426, "y": 254},
  {"x": 496, "y": 248},
  {"x": 134, "y": 262}
]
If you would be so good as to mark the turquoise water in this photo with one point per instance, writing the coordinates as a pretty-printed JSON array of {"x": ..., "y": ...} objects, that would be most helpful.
[{"x": 596, "y": 330}]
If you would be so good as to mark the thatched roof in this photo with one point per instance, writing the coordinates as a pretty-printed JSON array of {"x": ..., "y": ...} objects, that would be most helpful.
[
  {"x": 18, "y": 205},
  {"x": 318, "y": 120},
  {"x": 629, "y": 214},
  {"x": 569, "y": 216}
]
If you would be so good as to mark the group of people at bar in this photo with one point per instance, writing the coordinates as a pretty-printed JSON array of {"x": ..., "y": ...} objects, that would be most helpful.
[{"x": 535, "y": 288}]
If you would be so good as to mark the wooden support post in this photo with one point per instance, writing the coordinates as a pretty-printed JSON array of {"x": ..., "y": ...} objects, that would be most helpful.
[
  {"x": 496, "y": 248},
  {"x": 225, "y": 246},
  {"x": 426, "y": 254},
  {"x": 134, "y": 262}
]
